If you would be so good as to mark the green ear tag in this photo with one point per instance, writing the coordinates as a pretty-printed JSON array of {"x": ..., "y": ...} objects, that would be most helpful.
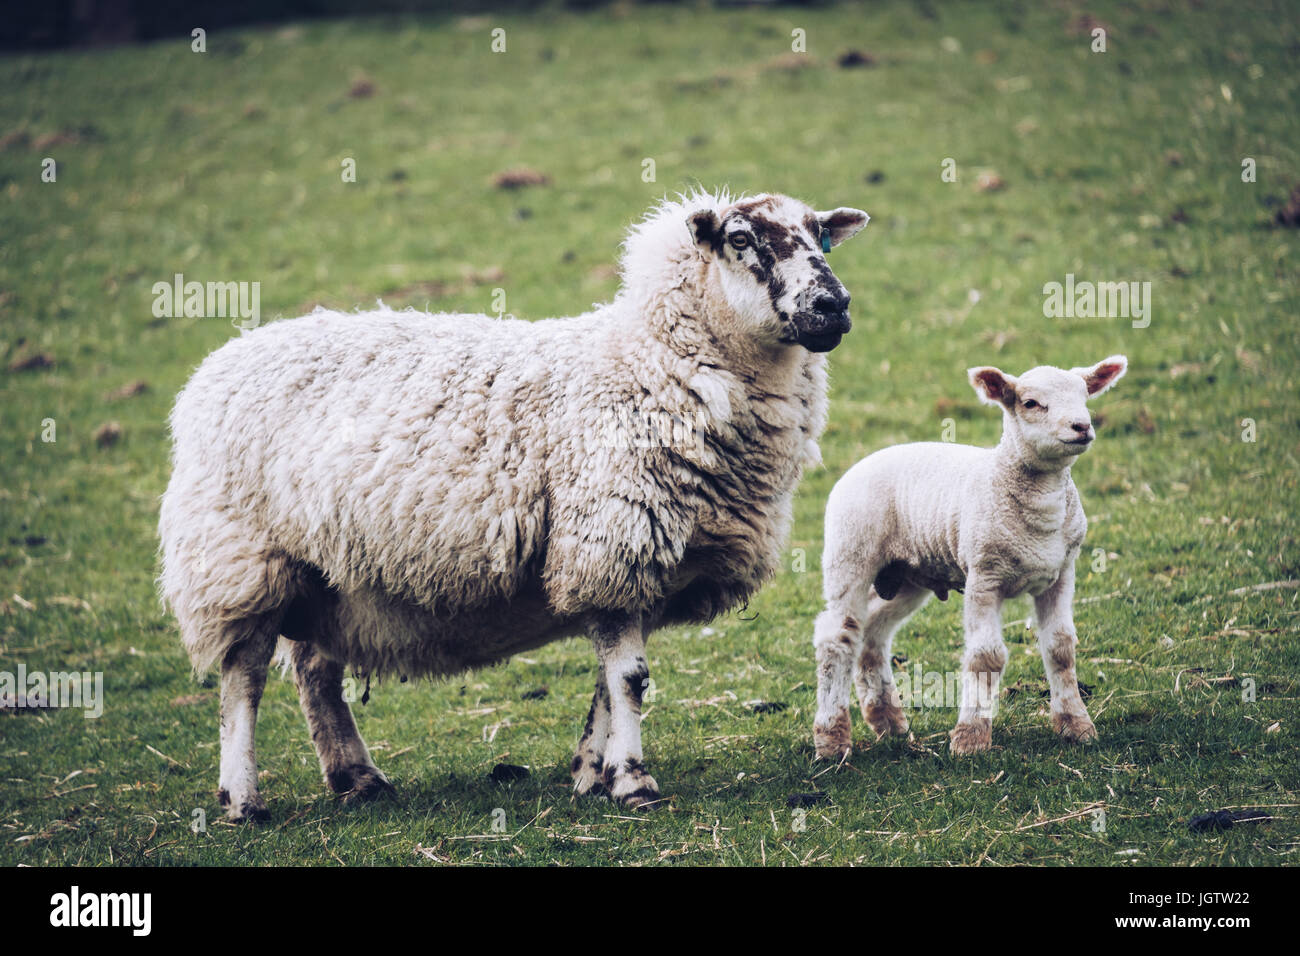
[{"x": 826, "y": 240}]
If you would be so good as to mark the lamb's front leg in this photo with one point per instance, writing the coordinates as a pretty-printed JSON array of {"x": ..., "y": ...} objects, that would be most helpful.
[
  {"x": 1057, "y": 640},
  {"x": 982, "y": 666},
  {"x": 620, "y": 645}
]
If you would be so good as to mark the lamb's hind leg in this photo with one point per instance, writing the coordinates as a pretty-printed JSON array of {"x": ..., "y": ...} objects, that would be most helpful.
[
  {"x": 589, "y": 760},
  {"x": 344, "y": 759},
  {"x": 872, "y": 673},
  {"x": 837, "y": 637},
  {"x": 243, "y": 678}
]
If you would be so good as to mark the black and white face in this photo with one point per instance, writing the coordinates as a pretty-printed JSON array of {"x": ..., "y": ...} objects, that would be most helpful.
[
  {"x": 1046, "y": 408},
  {"x": 768, "y": 252}
]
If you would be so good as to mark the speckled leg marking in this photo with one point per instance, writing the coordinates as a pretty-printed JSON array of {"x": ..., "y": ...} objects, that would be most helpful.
[
  {"x": 589, "y": 760},
  {"x": 1056, "y": 642},
  {"x": 620, "y": 646},
  {"x": 873, "y": 676},
  {"x": 344, "y": 759},
  {"x": 243, "y": 677}
]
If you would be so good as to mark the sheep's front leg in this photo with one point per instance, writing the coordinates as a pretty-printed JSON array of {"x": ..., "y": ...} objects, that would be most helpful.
[
  {"x": 243, "y": 678},
  {"x": 1056, "y": 641},
  {"x": 589, "y": 760},
  {"x": 982, "y": 665},
  {"x": 620, "y": 646},
  {"x": 344, "y": 759}
]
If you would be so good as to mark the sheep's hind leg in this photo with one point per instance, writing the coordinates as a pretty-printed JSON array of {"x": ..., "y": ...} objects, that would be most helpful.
[
  {"x": 872, "y": 674},
  {"x": 243, "y": 678},
  {"x": 589, "y": 760},
  {"x": 620, "y": 646},
  {"x": 344, "y": 759},
  {"x": 982, "y": 666}
]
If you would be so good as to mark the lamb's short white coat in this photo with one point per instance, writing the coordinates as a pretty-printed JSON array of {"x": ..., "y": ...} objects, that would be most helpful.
[
  {"x": 420, "y": 494},
  {"x": 933, "y": 517}
]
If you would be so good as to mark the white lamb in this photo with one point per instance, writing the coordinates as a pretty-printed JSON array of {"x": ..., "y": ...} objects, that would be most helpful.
[
  {"x": 421, "y": 494},
  {"x": 936, "y": 517}
]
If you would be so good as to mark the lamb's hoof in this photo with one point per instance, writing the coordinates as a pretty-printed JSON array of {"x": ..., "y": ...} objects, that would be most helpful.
[
  {"x": 836, "y": 750},
  {"x": 588, "y": 775},
  {"x": 249, "y": 809},
  {"x": 631, "y": 786},
  {"x": 886, "y": 720},
  {"x": 359, "y": 783},
  {"x": 973, "y": 737},
  {"x": 1075, "y": 727},
  {"x": 835, "y": 740}
]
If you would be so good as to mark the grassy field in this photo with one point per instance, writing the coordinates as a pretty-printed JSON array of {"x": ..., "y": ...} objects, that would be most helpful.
[{"x": 1117, "y": 166}]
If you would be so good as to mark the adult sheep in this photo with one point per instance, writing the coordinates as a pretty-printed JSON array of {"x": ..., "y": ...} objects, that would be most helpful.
[{"x": 396, "y": 492}]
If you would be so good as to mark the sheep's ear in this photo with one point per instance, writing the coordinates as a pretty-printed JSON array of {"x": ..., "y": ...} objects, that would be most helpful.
[
  {"x": 1103, "y": 375},
  {"x": 706, "y": 230},
  {"x": 842, "y": 223},
  {"x": 993, "y": 386}
]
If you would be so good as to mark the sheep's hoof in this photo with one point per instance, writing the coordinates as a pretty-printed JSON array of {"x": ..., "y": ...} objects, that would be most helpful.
[
  {"x": 644, "y": 797},
  {"x": 251, "y": 809},
  {"x": 631, "y": 786},
  {"x": 359, "y": 783},
  {"x": 834, "y": 741},
  {"x": 972, "y": 737},
  {"x": 588, "y": 776},
  {"x": 886, "y": 720},
  {"x": 1076, "y": 727}
]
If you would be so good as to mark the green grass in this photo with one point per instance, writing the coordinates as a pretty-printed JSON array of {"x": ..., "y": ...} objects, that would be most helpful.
[{"x": 226, "y": 166}]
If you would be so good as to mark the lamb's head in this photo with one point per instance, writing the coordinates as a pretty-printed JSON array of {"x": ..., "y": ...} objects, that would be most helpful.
[
  {"x": 768, "y": 255},
  {"x": 1044, "y": 411}
]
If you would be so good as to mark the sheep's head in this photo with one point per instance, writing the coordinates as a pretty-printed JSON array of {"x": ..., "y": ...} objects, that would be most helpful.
[
  {"x": 1044, "y": 410},
  {"x": 768, "y": 252}
]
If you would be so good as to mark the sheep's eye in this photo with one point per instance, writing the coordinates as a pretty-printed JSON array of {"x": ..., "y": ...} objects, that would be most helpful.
[
  {"x": 739, "y": 240},
  {"x": 1030, "y": 403}
]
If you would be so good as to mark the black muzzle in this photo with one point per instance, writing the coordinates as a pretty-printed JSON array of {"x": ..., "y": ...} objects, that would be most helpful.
[{"x": 821, "y": 328}]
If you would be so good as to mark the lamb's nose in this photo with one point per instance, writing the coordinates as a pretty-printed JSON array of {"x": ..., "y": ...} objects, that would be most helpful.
[
  {"x": 831, "y": 303},
  {"x": 1082, "y": 427}
]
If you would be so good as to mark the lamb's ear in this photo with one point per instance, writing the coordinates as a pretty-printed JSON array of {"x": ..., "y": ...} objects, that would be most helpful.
[
  {"x": 706, "y": 230},
  {"x": 993, "y": 386},
  {"x": 1103, "y": 375},
  {"x": 842, "y": 223}
]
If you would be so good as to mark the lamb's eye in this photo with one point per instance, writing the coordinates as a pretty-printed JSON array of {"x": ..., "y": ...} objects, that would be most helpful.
[
  {"x": 739, "y": 240},
  {"x": 1030, "y": 403}
]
